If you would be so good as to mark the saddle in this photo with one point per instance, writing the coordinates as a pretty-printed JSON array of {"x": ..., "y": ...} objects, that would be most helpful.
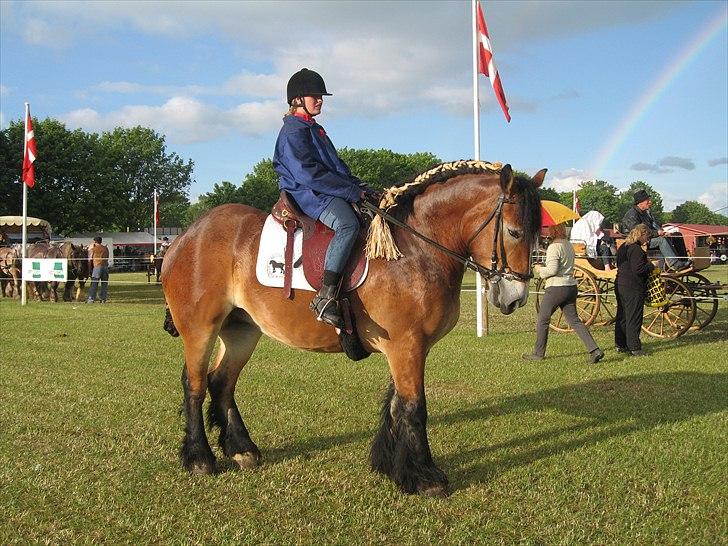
[{"x": 316, "y": 239}]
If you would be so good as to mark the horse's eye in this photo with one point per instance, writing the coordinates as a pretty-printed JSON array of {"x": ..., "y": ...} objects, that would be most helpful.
[{"x": 513, "y": 233}]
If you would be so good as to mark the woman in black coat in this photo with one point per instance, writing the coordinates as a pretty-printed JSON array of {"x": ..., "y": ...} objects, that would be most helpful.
[{"x": 633, "y": 268}]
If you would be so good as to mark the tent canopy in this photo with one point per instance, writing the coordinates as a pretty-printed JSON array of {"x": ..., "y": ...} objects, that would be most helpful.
[{"x": 14, "y": 224}]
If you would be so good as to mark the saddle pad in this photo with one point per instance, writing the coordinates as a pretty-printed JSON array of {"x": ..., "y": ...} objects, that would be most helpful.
[{"x": 270, "y": 263}]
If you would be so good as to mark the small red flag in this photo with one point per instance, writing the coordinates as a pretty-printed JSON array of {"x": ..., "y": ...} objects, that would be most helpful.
[
  {"x": 156, "y": 210},
  {"x": 487, "y": 64},
  {"x": 30, "y": 153}
]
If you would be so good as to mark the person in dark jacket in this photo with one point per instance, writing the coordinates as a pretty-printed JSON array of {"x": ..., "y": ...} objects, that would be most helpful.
[
  {"x": 321, "y": 184},
  {"x": 640, "y": 214},
  {"x": 633, "y": 268}
]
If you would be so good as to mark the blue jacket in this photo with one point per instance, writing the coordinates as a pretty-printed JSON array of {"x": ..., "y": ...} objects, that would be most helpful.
[{"x": 309, "y": 168}]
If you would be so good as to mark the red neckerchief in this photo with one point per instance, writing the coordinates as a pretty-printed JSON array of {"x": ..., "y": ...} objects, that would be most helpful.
[{"x": 309, "y": 119}]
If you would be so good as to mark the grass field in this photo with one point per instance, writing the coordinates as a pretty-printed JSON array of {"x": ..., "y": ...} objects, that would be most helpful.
[{"x": 630, "y": 451}]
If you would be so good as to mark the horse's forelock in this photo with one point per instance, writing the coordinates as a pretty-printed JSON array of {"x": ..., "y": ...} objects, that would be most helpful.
[{"x": 529, "y": 214}]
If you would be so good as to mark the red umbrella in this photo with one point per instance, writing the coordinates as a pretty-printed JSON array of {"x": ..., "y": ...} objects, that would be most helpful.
[{"x": 553, "y": 213}]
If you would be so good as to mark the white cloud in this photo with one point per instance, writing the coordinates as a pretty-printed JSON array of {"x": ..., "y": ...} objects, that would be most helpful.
[
  {"x": 4, "y": 90},
  {"x": 183, "y": 119},
  {"x": 41, "y": 33},
  {"x": 567, "y": 180},
  {"x": 716, "y": 197}
]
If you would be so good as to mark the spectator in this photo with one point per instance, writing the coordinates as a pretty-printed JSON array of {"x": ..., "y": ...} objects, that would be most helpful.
[
  {"x": 98, "y": 258},
  {"x": 640, "y": 214},
  {"x": 633, "y": 268},
  {"x": 561, "y": 292}
]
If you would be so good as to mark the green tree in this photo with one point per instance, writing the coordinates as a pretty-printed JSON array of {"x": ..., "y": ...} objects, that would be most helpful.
[
  {"x": 384, "y": 168},
  {"x": 692, "y": 212},
  {"x": 66, "y": 175},
  {"x": 260, "y": 187},
  {"x": 549, "y": 194},
  {"x": 137, "y": 163},
  {"x": 600, "y": 196},
  {"x": 627, "y": 196}
]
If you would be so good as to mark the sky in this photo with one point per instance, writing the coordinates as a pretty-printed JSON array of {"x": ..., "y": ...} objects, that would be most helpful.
[{"x": 617, "y": 91}]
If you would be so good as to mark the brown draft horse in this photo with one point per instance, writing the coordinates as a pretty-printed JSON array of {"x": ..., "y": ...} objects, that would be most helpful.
[
  {"x": 403, "y": 308},
  {"x": 10, "y": 270},
  {"x": 77, "y": 269}
]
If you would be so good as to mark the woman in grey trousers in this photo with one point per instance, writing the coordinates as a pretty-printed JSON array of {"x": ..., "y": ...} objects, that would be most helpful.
[{"x": 561, "y": 293}]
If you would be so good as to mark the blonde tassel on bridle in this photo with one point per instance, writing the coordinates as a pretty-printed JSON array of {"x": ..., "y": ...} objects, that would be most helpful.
[{"x": 380, "y": 241}]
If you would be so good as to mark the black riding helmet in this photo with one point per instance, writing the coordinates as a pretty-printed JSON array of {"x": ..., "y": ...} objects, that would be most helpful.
[{"x": 306, "y": 82}]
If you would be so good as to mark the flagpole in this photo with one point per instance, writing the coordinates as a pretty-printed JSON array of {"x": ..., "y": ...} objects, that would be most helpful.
[
  {"x": 24, "y": 239},
  {"x": 476, "y": 156},
  {"x": 154, "y": 220}
]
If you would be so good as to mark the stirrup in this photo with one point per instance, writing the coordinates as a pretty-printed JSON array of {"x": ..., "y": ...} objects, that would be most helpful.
[{"x": 326, "y": 309}]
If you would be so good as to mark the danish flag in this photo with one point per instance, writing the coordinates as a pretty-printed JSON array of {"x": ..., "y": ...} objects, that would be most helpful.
[
  {"x": 487, "y": 65},
  {"x": 30, "y": 153}
]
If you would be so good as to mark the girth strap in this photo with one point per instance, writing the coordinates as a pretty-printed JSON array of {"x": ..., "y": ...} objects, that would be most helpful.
[{"x": 290, "y": 227}]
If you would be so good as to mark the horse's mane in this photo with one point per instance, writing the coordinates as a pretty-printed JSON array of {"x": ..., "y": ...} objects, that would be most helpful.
[{"x": 399, "y": 200}]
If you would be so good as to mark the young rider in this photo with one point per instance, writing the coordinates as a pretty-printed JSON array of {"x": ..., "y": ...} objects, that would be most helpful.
[{"x": 321, "y": 184}]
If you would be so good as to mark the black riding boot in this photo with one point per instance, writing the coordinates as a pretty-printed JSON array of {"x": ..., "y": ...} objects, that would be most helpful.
[{"x": 326, "y": 306}]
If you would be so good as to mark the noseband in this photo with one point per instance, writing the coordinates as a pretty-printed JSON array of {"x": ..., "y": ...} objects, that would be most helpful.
[{"x": 493, "y": 273}]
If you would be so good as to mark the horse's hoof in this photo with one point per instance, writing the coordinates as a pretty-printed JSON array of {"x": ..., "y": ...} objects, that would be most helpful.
[
  {"x": 202, "y": 469},
  {"x": 247, "y": 460},
  {"x": 433, "y": 490}
]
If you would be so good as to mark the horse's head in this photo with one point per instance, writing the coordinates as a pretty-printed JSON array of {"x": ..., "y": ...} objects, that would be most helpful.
[
  {"x": 501, "y": 231},
  {"x": 80, "y": 259}
]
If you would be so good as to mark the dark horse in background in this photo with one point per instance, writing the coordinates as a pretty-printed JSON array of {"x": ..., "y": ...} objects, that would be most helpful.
[
  {"x": 77, "y": 269},
  {"x": 402, "y": 309}
]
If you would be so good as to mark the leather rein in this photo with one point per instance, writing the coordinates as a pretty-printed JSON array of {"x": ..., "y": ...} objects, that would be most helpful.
[{"x": 492, "y": 273}]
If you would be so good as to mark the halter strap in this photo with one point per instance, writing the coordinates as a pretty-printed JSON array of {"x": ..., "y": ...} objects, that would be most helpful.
[{"x": 490, "y": 273}]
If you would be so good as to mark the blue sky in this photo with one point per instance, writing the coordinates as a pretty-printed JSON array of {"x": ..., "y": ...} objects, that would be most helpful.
[{"x": 211, "y": 77}]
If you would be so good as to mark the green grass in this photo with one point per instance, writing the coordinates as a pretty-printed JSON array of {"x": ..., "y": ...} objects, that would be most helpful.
[{"x": 631, "y": 451}]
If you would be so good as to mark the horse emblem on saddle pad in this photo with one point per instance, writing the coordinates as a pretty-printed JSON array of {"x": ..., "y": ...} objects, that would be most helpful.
[{"x": 293, "y": 248}]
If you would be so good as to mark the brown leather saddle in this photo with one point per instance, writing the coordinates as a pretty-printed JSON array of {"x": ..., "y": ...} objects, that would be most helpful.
[{"x": 316, "y": 239}]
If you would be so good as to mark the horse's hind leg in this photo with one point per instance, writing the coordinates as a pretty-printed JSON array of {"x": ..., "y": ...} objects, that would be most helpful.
[
  {"x": 238, "y": 340},
  {"x": 196, "y": 455}
]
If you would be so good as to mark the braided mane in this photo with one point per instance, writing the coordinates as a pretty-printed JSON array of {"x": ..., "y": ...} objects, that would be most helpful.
[{"x": 398, "y": 201}]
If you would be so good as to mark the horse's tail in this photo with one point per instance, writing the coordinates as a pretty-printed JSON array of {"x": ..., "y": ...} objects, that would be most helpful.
[{"x": 169, "y": 323}]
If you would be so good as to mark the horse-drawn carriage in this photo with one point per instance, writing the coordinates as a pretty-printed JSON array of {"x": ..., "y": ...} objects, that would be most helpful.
[{"x": 691, "y": 299}]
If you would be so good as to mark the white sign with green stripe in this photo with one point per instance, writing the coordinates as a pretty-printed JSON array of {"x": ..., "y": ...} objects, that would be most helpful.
[{"x": 44, "y": 269}]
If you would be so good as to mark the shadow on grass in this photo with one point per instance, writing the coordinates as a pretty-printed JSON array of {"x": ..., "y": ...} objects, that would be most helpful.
[{"x": 610, "y": 408}]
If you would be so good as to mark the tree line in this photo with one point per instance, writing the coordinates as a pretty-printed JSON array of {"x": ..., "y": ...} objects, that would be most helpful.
[{"x": 90, "y": 182}]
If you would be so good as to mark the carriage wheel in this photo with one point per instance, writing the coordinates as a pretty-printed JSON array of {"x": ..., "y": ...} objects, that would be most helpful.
[
  {"x": 706, "y": 299},
  {"x": 607, "y": 302},
  {"x": 587, "y": 302},
  {"x": 675, "y": 318}
]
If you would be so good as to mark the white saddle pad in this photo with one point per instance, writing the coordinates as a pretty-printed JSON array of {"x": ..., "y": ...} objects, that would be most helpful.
[{"x": 270, "y": 264}]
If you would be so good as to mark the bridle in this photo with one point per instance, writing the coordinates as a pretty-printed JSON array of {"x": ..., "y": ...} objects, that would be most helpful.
[{"x": 493, "y": 273}]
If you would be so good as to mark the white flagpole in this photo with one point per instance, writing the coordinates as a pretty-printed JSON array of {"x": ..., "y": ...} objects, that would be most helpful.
[
  {"x": 154, "y": 221},
  {"x": 476, "y": 156},
  {"x": 25, "y": 210}
]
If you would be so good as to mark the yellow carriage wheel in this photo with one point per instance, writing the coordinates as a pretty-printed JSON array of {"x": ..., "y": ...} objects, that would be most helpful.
[{"x": 675, "y": 317}]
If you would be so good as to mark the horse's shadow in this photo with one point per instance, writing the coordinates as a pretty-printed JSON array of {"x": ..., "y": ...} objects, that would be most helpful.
[{"x": 603, "y": 409}]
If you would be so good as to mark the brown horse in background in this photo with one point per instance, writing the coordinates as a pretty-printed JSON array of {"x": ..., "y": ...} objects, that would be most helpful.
[
  {"x": 76, "y": 269},
  {"x": 403, "y": 308},
  {"x": 10, "y": 271}
]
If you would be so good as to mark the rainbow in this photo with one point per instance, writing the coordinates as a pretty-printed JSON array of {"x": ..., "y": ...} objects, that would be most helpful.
[{"x": 655, "y": 90}]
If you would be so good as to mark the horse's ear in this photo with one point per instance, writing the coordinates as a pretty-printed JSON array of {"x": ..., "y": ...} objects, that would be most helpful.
[
  {"x": 506, "y": 178},
  {"x": 538, "y": 177}
]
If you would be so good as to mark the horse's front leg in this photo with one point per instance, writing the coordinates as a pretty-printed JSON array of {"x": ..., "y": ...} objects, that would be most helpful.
[
  {"x": 79, "y": 289},
  {"x": 237, "y": 342},
  {"x": 401, "y": 449}
]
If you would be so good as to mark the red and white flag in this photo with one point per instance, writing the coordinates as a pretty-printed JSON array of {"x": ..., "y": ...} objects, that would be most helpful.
[
  {"x": 156, "y": 208},
  {"x": 487, "y": 64},
  {"x": 30, "y": 153}
]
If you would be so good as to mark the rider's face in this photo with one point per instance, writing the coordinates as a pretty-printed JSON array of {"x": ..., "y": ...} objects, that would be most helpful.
[{"x": 313, "y": 104}]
